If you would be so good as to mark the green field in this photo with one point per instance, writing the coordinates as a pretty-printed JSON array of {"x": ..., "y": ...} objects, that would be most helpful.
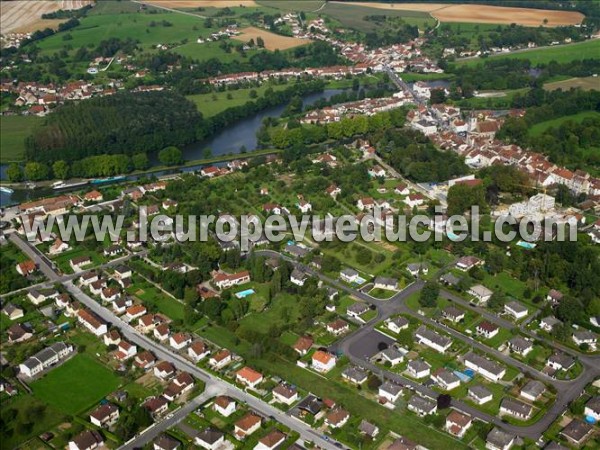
[
  {"x": 214, "y": 103},
  {"x": 13, "y": 131},
  {"x": 292, "y": 5},
  {"x": 76, "y": 385},
  {"x": 559, "y": 53},
  {"x": 539, "y": 128}
]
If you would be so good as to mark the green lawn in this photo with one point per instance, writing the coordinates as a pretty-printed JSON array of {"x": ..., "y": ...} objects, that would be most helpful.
[
  {"x": 13, "y": 131},
  {"x": 560, "y": 53},
  {"x": 214, "y": 103},
  {"x": 76, "y": 385},
  {"x": 151, "y": 295},
  {"x": 63, "y": 260},
  {"x": 539, "y": 128}
]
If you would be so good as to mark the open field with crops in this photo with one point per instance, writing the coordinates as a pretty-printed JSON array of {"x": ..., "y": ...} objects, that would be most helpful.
[
  {"x": 26, "y": 16},
  {"x": 585, "y": 83},
  {"x": 272, "y": 41},
  {"x": 177, "y": 4}
]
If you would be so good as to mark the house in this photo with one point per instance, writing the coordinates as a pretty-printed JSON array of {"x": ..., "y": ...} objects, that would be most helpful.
[
  {"x": 584, "y": 337},
  {"x": 515, "y": 309},
  {"x": 515, "y": 408},
  {"x": 165, "y": 442},
  {"x": 338, "y": 327},
  {"x": 220, "y": 359},
  {"x": 365, "y": 203},
  {"x": 224, "y": 281},
  {"x": 284, "y": 393},
  {"x": 271, "y": 208},
  {"x": 144, "y": 360},
  {"x": 577, "y": 431},
  {"x": 112, "y": 338},
  {"x": 246, "y": 426},
  {"x": 368, "y": 429},
  {"x": 105, "y": 415},
  {"x": 303, "y": 345},
  {"x": 58, "y": 247},
  {"x": 337, "y": 418},
  {"x": 304, "y": 206},
  {"x": 156, "y": 406},
  {"x": 164, "y": 370},
  {"x": 449, "y": 279},
  {"x": 414, "y": 200},
  {"x": 78, "y": 263},
  {"x": 224, "y": 405},
  {"x": 271, "y": 441},
  {"x": 466, "y": 263},
  {"x": 376, "y": 171},
  {"x": 18, "y": 333},
  {"x": 355, "y": 375},
  {"x": 560, "y": 361},
  {"x": 62, "y": 301},
  {"x": 453, "y": 314},
  {"x": 349, "y": 275},
  {"x": 161, "y": 332},
  {"x": 88, "y": 278},
  {"x": 125, "y": 350},
  {"x": 179, "y": 341},
  {"x": 356, "y": 310},
  {"x": 86, "y": 440},
  {"x": 592, "y": 408},
  {"x": 392, "y": 355},
  {"x": 417, "y": 268},
  {"x": 390, "y": 391},
  {"x": 390, "y": 284},
  {"x": 397, "y": 324},
  {"x": 248, "y": 377},
  {"x": 333, "y": 190},
  {"x": 458, "y": 423},
  {"x": 134, "y": 312},
  {"x": 93, "y": 196},
  {"x": 26, "y": 268},
  {"x": 487, "y": 329},
  {"x": 417, "y": 368},
  {"x": 198, "y": 350},
  {"x": 45, "y": 358},
  {"x": 122, "y": 272},
  {"x": 298, "y": 277},
  {"x": 499, "y": 440},
  {"x": 38, "y": 297},
  {"x": 520, "y": 345},
  {"x": 554, "y": 296},
  {"x": 479, "y": 394},
  {"x": 97, "y": 286},
  {"x": 209, "y": 439},
  {"x": 445, "y": 379},
  {"x": 481, "y": 293},
  {"x": 548, "y": 323},
  {"x": 110, "y": 294},
  {"x": 181, "y": 384},
  {"x": 92, "y": 322},
  {"x": 483, "y": 366},
  {"x": 532, "y": 391},
  {"x": 12, "y": 312},
  {"x": 148, "y": 322},
  {"x": 421, "y": 406},
  {"x": 430, "y": 338},
  {"x": 323, "y": 361},
  {"x": 401, "y": 189}
]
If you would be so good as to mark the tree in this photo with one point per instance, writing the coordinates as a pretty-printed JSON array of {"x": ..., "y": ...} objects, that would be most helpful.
[
  {"x": 444, "y": 401},
  {"x": 429, "y": 295},
  {"x": 140, "y": 161},
  {"x": 170, "y": 156},
  {"x": 14, "y": 172},
  {"x": 496, "y": 301},
  {"x": 36, "y": 171},
  {"x": 382, "y": 346},
  {"x": 60, "y": 169},
  {"x": 260, "y": 42},
  {"x": 373, "y": 382}
]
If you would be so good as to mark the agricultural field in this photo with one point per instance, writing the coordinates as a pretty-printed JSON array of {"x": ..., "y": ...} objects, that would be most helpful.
[
  {"x": 177, "y": 4},
  {"x": 26, "y": 16},
  {"x": 485, "y": 14},
  {"x": 585, "y": 83},
  {"x": 293, "y": 5},
  {"x": 272, "y": 41},
  {"x": 75, "y": 375},
  {"x": 559, "y": 53},
  {"x": 539, "y": 128},
  {"x": 13, "y": 131}
]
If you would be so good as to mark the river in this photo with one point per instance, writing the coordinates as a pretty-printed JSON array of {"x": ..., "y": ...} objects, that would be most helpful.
[{"x": 228, "y": 141}]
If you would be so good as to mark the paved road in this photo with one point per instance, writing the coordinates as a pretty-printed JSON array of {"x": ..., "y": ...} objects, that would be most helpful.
[{"x": 213, "y": 383}]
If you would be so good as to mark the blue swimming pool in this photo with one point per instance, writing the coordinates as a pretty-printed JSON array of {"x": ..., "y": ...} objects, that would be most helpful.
[
  {"x": 527, "y": 245},
  {"x": 244, "y": 294}
]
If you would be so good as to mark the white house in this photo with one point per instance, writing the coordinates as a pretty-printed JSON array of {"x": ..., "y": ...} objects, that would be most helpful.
[
  {"x": 431, "y": 339},
  {"x": 105, "y": 415},
  {"x": 180, "y": 341},
  {"x": 390, "y": 391},
  {"x": 481, "y": 293},
  {"x": 417, "y": 368},
  {"x": 323, "y": 361},
  {"x": 483, "y": 366},
  {"x": 397, "y": 324},
  {"x": 516, "y": 310},
  {"x": 224, "y": 405},
  {"x": 248, "y": 377}
]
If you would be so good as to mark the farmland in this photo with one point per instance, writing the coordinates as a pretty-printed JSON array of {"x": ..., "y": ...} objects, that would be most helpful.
[
  {"x": 14, "y": 130},
  {"x": 558, "y": 53},
  {"x": 26, "y": 16},
  {"x": 539, "y": 128},
  {"x": 586, "y": 83},
  {"x": 272, "y": 41},
  {"x": 202, "y": 3},
  {"x": 76, "y": 374},
  {"x": 485, "y": 14}
]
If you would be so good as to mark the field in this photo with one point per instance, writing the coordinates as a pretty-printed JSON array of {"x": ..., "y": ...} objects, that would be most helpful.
[
  {"x": 26, "y": 16},
  {"x": 587, "y": 84},
  {"x": 293, "y": 5},
  {"x": 486, "y": 14},
  {"x": 14, "y": 130},
  {"x": 272, "y": 41},
  {"x": 559, "y": 53},
  {"x": 539, "y": 128},
  {"x": 69, "y": 387},
  {"x": 202, "y": 3},
  {"x": 214, "y": 103}
]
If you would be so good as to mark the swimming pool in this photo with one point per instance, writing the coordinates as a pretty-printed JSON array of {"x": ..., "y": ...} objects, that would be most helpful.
[
  {"x": 527, "y": 245},
  {"x": 244, "y": 294}
]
